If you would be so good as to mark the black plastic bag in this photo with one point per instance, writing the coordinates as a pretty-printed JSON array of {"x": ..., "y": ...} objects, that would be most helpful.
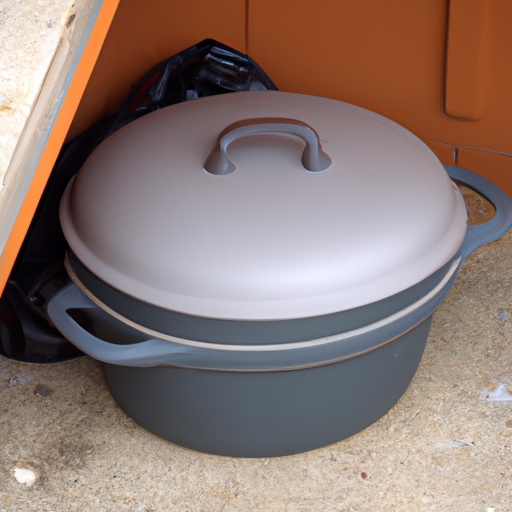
[{"x": 205, "y": 69}]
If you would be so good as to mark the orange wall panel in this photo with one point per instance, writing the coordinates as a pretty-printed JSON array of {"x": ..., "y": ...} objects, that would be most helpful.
[
  {"x": 390, "y": 57},
  {"x": 495, "y": 166},
  {"x": 467, "y": 59},
  {"x": 385, "y": 56},
  {"x": 145, "y": 32}
]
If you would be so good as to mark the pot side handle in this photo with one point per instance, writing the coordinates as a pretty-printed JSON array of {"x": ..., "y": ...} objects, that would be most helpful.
[
  {"x": 313, "y": 158},
  {"x": 143, "y": 354},
  {"x": 493, "y": 229}
]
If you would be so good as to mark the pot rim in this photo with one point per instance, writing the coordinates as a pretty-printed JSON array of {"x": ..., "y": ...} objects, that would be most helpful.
[{"x": 397, "y": 317}]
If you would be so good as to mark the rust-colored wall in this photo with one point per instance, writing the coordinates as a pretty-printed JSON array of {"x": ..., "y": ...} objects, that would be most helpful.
[
  {"x": 423, "y": 64},
  {"x": 145, "y": 32},
  {"x": 385, "y": 56}
]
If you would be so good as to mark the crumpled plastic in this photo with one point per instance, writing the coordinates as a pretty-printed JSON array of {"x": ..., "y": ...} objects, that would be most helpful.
[
  {"x": 497, "y": 393},
  {"x": 205, "y": 69}
]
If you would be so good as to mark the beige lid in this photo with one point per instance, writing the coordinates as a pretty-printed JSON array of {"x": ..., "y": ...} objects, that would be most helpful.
[{"x": 267, "y": 239}]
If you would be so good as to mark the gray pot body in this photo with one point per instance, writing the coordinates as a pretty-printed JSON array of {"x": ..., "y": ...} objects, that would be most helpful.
[
  {"x": 268, "y": 414},
  {"x": 296, "y": 406},
  {"x": 213, "y": 393}
]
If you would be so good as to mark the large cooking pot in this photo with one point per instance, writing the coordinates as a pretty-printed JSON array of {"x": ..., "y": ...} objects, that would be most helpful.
[{"x": 258, "y": 270}]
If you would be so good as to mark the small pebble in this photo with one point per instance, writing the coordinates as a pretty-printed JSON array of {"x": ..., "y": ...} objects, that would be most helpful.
[
  {"x": 43, "y": 390},
  {"x": 25, "y": 476}
]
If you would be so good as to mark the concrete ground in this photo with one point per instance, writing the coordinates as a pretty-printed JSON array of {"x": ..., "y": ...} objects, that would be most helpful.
[{"x": 445, "y": 446}]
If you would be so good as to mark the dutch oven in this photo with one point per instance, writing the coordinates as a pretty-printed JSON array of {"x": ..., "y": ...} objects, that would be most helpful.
[{"x": 258, "y": 270}]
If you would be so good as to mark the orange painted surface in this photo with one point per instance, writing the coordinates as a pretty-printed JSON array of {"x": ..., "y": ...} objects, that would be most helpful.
[
  {"x": 467, "y": 87},
  {"x": 390, "y": 57},
  {"x": 384, "y": 56},
  {"x": 56, "y": 139},
  {"x": 496, "y": 167},
  {"x": 145, "y": 32}
]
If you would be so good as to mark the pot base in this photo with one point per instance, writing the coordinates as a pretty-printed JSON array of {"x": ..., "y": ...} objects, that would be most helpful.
[{"x": 268, "y": 414}]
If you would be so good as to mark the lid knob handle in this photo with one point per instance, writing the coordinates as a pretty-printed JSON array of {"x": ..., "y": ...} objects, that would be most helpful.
[{"x": 314, "y": 159}]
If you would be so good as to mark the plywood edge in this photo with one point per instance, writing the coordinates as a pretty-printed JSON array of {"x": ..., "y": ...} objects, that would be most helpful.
[{"x": 41, "y": 140}]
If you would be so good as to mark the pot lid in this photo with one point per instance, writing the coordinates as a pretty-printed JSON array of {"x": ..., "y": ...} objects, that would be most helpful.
[{"x": 262, "y": 205}]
